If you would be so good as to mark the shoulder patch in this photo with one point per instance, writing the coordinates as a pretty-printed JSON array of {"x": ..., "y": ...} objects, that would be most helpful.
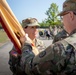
[{"x": 42, "y": 54}]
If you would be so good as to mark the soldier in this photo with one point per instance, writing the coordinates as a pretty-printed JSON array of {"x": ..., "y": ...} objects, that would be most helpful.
[
  {"x": 60, "y": 57},
  {"x": 30, "y": 26},
  {"x": 60, "y": 35}
]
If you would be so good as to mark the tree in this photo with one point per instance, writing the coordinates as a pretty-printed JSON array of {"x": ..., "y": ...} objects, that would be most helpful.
[
  {"x": 52, "y": 15},
  {"x": 44, "y": 23}
]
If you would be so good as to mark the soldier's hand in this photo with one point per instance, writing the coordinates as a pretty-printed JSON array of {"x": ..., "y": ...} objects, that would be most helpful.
[{"x": 22, "y": 40}]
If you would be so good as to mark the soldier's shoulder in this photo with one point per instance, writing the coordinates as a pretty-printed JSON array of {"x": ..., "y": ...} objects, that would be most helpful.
[
  {"x": 70, "y": 40},
  {"x": 60, "y": 33},
  {"x": 57, "y": 37}
]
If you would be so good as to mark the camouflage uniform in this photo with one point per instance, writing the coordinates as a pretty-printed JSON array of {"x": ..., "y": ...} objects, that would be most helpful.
[
  {"x": 59, "y": 58},
  {"x": 39, "y": 45},
  {"x": 14, "y": 57},
  {"x": 61, "y": 35}
]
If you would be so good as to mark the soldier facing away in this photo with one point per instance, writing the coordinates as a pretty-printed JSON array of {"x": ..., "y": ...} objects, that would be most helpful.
[
  {"x": 60, "y": 36},
  {"x": 30, "y": 26},
  {"x": 60, "y": 57}
]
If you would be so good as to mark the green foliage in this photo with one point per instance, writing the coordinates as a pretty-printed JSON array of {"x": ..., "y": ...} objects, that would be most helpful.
[
  {"x": 52, "y": 14},
  {"x": 44, "y": 24},
  {"x": 52, "y": 18},
  {"x": 52, "y": 11},
  {"x": 3, "y": 36}
]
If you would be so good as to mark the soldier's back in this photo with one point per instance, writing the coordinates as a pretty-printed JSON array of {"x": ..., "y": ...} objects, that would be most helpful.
[
  {"x": 61, "y": 35},
  {"x": 58, "y": 59}
]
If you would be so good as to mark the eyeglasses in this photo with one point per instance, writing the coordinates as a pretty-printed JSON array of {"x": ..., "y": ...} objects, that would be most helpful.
[
  {"x": 66, "y": 13},
  {"x": 63, "y": 15},
  {"x": 74, "y": 13},
  {"x": 34, "y": 27}
]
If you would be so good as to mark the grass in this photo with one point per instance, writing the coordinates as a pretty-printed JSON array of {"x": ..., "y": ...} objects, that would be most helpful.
[{"x": 3, "y": 37}]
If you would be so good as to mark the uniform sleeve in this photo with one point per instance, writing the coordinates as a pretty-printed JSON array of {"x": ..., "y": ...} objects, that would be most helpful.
[
  {"x": 54, "y": 59},
  {"x": 26, "y": 57}
]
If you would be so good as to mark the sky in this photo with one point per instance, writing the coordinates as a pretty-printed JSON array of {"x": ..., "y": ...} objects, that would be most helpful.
[{"x": 23, "y": 9}]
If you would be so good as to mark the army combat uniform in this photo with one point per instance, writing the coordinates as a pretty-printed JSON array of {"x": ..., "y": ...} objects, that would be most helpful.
[
  {"x": 14, "y": 58},
  {"x": 57, "y": 59},
  {"x": 60, "y": 35}
]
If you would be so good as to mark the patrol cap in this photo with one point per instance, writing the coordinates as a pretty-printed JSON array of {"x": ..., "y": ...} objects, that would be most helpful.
[
  {"x": 68, "y": 5},
  {"x": 30, "y": 22}
]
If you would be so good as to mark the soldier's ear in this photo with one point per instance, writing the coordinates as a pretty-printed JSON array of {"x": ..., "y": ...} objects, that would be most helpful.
[{"x": 72, "y": 16}]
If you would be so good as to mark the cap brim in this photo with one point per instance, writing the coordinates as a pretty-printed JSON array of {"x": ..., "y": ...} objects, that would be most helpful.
[
  {"x": 33, "y": 25},
  {"x": 61, "y": 13}
]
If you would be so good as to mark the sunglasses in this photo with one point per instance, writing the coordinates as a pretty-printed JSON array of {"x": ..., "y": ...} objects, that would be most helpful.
[
  {"x": 66, "y": 13},
  {"x": 34, "y": 27},
  {"x": 63, "y": 15}
]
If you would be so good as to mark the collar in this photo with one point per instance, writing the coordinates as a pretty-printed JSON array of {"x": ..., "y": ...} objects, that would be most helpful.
[{"x": 74, "y": 31}]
